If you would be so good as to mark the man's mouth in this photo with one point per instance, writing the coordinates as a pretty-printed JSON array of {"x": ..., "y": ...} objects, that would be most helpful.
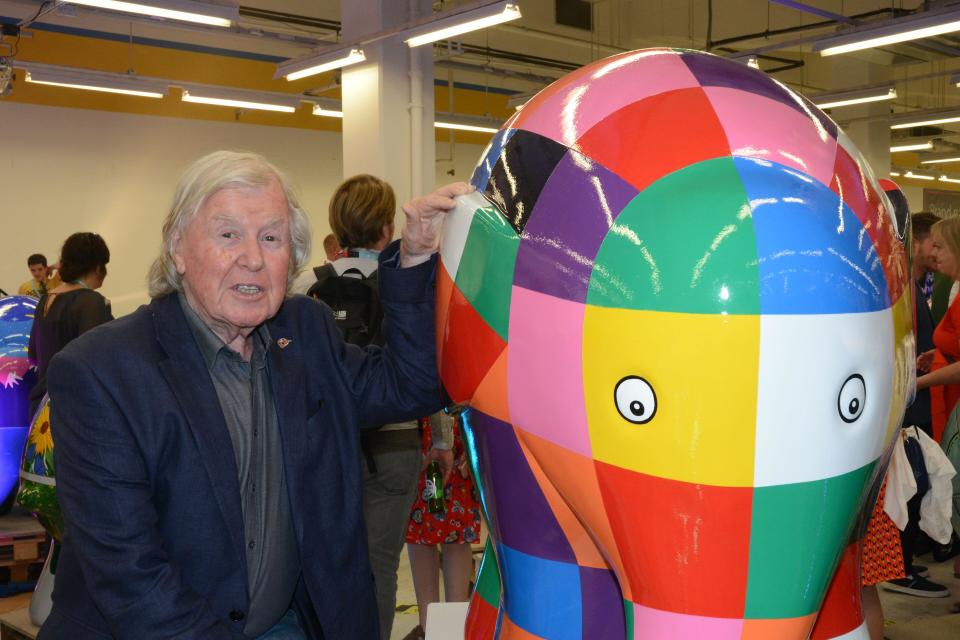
[{"x": 248, "y": 289}]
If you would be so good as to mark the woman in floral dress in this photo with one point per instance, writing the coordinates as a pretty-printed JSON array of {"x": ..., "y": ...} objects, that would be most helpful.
[{"x": 454, "y": 531}]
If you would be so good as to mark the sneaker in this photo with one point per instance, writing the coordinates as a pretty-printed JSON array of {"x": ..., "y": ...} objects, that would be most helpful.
[
  {"x": 918, "y": 570},
  {"x": 915, "y": 585}
]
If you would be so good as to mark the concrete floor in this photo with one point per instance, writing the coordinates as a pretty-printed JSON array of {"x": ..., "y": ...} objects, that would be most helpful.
[{"x": 912, "y": 618}]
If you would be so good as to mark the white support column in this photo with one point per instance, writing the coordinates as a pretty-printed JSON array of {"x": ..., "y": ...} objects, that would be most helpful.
[{"x": 388, "y": 100}]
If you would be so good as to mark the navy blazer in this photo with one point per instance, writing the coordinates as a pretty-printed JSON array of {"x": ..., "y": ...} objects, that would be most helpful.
[{"x": 148, "y": 484}]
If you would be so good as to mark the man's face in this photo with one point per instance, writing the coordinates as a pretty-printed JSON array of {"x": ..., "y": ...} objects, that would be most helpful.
[
  {"x": 234, "y": 256},
  {"x": 38, "y": 271},
  {"x": 923, "y": 253}
]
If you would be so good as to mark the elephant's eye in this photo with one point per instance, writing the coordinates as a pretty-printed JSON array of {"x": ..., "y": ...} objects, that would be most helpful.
[
  {"x": 636, "y": 400},
  {"x": 852, "y": 398}
]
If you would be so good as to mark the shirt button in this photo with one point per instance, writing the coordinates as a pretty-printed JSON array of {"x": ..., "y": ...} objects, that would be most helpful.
[
  {"x": 236, "y": 615},
  {"x": 251, "y": 544}
]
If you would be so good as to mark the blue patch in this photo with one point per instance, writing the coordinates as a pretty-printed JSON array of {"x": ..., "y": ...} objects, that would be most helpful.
[
  {"x": 815, "y": 257},
  {"x": 541, "y": 596}
]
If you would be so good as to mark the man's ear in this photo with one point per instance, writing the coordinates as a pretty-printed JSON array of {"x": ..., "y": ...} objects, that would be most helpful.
[{"x": 177, "y": 254}]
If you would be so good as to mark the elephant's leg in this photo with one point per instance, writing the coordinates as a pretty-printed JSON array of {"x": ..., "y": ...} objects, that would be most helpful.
[{"x": 554, "y": 583}]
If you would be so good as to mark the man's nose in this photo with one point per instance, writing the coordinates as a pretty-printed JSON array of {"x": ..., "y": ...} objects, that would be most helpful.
[{"x": 252, "y": 254}]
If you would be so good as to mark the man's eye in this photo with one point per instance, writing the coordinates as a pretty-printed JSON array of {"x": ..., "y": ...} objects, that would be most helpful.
[
  {"x": 271, "y": 238},
  {"x": 228, "y": 234}
]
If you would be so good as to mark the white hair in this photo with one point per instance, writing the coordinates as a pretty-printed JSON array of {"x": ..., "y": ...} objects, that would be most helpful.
[{"x": 204, "y": 178}]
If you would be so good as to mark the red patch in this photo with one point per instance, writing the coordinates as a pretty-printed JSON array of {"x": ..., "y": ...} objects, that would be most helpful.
[{"x": 642, "y": 142}]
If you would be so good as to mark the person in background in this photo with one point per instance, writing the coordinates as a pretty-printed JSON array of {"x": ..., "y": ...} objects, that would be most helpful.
[
  {"x": 946, "y": 336},
  {"x": 451, "y": 532},
  {"x": 331, "y": 247},
  {"x": 362, "y": 212},
  {"x": 70, "y": 309},
  {"x": 43, "y": 278},
  {"x": 915, "y": 582},
  {"x": 208, "y": 443}
]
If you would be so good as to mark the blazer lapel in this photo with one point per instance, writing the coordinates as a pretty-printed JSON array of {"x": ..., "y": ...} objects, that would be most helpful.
[
  {"x": 288, "y": 381},
  {"x": 187, "y": 375}
]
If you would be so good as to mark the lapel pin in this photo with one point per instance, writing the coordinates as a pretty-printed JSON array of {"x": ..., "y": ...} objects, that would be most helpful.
[{"x": 283, "y": 343}]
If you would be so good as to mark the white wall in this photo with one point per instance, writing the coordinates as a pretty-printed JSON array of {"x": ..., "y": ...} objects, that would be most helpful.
[{"x": 65, "y": 170}]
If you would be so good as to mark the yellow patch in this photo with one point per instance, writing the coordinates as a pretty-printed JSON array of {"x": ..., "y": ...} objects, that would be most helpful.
[{"x": 703, "y": 369}]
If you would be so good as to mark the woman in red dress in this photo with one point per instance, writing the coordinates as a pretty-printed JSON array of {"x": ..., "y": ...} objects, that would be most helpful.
[
  {"x": 454, "y": 530},
  {"x": 946, "y": 337}
]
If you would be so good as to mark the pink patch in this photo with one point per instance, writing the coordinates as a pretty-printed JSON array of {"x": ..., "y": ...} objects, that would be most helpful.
[
  {"x": 653, "y": 624},
  {"x": 567, "y": 109},
  {"x": 545, "y": 369},
  {"x": 787, "y": 136}
]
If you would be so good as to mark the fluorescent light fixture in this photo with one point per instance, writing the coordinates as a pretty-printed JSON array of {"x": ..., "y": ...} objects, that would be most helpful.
[
  {"x": 924, "y": 25},
  {"x": 320, "y": 110},
  {"x": 847, "y": 98},
  {"x": 218, "y": 15},
  {"x": 895, "y": 174},
  {"x": 89, "y": 80},
  {"x": 918, "y": 176},
  {"x": 464, "y": 127},
  {"x": 941, "y": 160},
  {"x": 319, "y": 62},
  {"x": 946, "y": 179},
  {"x": 920, "y": 146},
  {"x": 754, "y": 62},
  {"x": 242, "y": 99},
  {"x": 457, "y": 21},
  {"x": 924, "y": 119}
]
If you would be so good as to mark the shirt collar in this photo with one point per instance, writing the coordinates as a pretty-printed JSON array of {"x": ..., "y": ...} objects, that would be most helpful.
[{"x": 210, "y": 343}]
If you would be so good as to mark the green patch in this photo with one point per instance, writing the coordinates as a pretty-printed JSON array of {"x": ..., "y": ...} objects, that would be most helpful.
[
  {"x": 485, "y": 274},
  {"x": 797, "y": 536},
  {"x": 686, "y": 244}
]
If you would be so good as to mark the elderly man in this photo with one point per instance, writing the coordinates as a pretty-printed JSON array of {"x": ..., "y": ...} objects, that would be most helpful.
[{"x": 207, "y": 444}]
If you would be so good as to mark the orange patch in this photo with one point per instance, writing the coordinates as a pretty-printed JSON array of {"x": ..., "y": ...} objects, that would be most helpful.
[
  {"x": 492, "y": 394},
  {"x": 783, "y": 628},
  {"x": 574, "y": 477}
]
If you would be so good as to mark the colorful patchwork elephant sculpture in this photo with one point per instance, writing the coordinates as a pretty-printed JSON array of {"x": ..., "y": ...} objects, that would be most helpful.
[{"x": 679, "y": 309}]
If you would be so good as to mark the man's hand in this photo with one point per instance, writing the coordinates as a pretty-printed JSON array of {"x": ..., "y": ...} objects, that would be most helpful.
[{"x": 424, "y": 220}]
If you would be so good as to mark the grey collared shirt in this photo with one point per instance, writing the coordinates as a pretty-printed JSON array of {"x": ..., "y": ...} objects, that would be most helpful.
[{"x": 246, "y": 399}]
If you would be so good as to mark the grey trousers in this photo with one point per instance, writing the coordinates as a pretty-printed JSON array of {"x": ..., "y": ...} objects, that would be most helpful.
[{"x": 389, "y": 490}]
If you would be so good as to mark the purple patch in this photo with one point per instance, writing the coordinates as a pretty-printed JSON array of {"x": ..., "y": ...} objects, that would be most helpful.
[
  {"x": 519, "y": 514},
  {"x": 714, "y": 71},
  {"x": 571, "y": 218},
  {"x": 603, "y": 614}
]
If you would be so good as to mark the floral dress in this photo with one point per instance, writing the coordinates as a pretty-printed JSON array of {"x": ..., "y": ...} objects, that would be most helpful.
[{"x": 460, "y": 521}]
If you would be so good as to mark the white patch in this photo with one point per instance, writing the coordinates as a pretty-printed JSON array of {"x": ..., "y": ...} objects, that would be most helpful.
[{"x": 806, "y": 429}]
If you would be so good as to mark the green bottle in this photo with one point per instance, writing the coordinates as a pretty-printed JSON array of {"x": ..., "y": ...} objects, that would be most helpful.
[{"x": 433, "y": 489}]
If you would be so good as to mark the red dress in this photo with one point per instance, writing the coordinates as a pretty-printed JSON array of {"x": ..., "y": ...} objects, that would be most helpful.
[
  {"x": 946, "y": 338},
  {"x": 882, "y": 558},
  {"x": 460, "y": 522}
]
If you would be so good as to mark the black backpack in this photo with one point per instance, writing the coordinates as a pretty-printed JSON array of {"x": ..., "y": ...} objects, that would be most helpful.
[{"x": 355, "y": 302}]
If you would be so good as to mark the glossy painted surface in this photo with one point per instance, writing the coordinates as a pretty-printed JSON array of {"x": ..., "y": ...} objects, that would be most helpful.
[
  {"x": 16, "y": 380},
  {"x": 678, "y": 306}
]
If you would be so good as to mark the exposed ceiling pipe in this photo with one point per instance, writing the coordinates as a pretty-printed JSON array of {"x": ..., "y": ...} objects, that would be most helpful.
[
  {"x": 494, "y": 71},
  {"x": 802, "y": 6},
  {"x": 805, "y": 27}
]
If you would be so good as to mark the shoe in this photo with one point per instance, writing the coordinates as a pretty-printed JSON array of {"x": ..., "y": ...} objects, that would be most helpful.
[
  {"x": 416, "y": 633},
  {"x": 947, "y": 551},
  {"x": 915, "y": 585},
  {"x": 918, "y": 570}
]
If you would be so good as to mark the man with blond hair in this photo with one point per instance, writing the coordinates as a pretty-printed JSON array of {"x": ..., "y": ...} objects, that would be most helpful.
[{"x": 208, "y": 444}]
